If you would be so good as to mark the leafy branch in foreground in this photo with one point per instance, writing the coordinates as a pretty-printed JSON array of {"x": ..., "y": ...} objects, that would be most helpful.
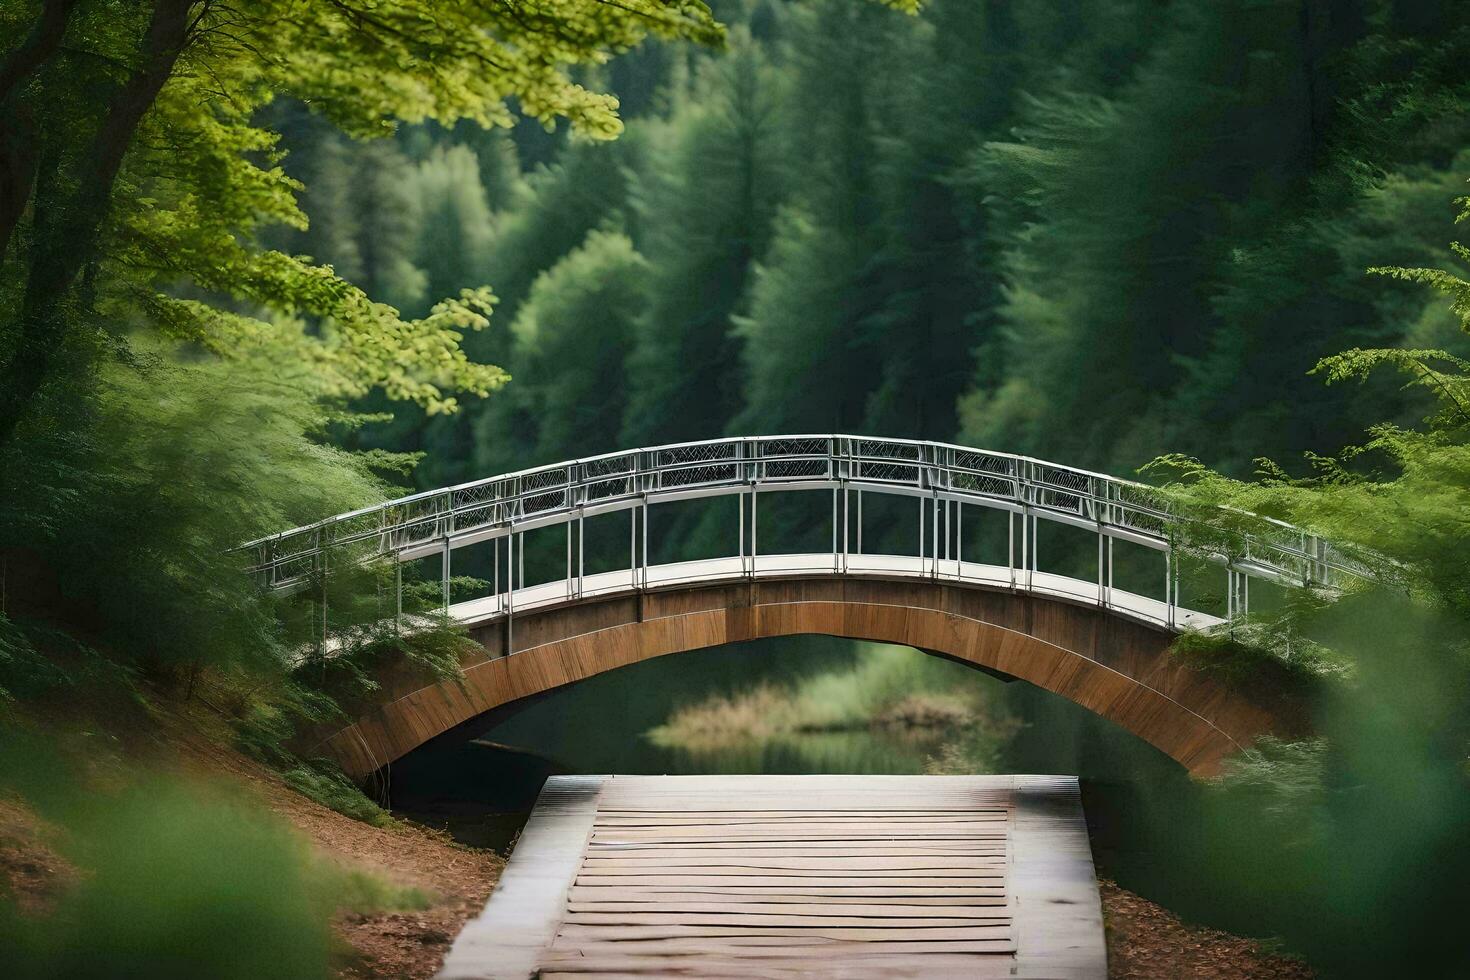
[{"x": 138, "y": 167}]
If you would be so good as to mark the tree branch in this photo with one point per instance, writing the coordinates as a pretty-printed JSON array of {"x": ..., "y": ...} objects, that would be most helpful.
[
  {"x": 40, "y": 44},
  {"x": 18, "y": 153},
  {"x": 67, "y": 226}
]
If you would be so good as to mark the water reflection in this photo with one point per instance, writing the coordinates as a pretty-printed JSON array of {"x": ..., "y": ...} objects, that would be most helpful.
[{"x": 865, "y": 752}]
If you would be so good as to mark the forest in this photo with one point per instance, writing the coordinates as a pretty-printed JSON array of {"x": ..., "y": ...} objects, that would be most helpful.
[{"x": 265, "y": 263}]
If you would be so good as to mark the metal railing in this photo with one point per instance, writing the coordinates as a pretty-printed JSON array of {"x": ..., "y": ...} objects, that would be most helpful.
[{"x": 945, "y": 478}]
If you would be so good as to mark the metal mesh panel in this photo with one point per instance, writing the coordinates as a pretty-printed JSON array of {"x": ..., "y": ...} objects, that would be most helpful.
[
  {"x": 887, "y": 472},
  {"x": 540, "y": 503},
  {"x": 351, "y": 528},
  {"x": 1142, "y": 521},
  {"x": 416, "y": 520},
  {"x": 541, "y": 479},
  {"x": 881, "y": 449},
  {"x": 695, "y": 476},
  {"x": 700, "y": 453},
  {"x": 787, "y": 469},
  {"x": 603, "y": 489},
  {"x": 294, "y": 568},
  {"x": 477, "y": 493},
  {"x": 1057, "y": 486},
  {"x": 474, "y": 517},
  {"x": 1058, "y": 500},
  {"x": 298, "y": 543},
  {"x": 984, "y": 462},
  {"x": 608, "y": 465},
  {"x": 793, "y": 447},
  {"x": 1065, "y": 479},
  {"x": 991, "y": 486},
  {"x": 1140, "y": 497}
]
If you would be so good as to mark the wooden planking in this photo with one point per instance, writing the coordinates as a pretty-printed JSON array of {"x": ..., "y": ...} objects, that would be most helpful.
[
  {"x": 521, "y": 918},
  {"x": 1058, "y": 912},
  {"x": 929, "y": 888},
  {"x": 1117, "y": 668}
]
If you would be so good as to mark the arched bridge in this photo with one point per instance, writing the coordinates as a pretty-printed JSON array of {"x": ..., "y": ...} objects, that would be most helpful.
[{"x": 1086, "y": 639}]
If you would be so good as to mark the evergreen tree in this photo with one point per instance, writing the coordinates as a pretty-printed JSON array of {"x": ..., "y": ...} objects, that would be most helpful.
[
  {"x": 1137, "y": 198},
  {"x": 810, "y": 365},
  {"x": 389, "y": 217},
  {"x": 705, "y": 200},
  {"x": 454, "y": 231},
  {"x": 571, "y": 338}
]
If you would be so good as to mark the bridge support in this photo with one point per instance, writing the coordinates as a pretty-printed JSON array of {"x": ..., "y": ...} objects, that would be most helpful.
[{"x": 1115, "y": 667}]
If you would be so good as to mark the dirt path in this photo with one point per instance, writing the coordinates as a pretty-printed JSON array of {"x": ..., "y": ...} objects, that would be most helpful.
[
  {"x": 407, "y": 945},
  {"x": 1148, "y": 942}
]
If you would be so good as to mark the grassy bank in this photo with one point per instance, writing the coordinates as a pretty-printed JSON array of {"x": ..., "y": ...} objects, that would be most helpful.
[{"x": 894, "y": 692}]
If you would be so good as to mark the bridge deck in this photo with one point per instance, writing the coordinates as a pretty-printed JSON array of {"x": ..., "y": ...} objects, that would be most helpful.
[
  {"x": 711, "y": 570},
  {"x": 768, "y": 876}
]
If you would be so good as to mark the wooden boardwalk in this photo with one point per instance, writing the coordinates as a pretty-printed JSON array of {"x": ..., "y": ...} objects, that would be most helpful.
[{"x": 784, "y": 876}]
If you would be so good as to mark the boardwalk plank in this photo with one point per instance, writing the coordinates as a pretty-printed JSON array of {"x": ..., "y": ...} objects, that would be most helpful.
[{"x": 842, "y": 876}]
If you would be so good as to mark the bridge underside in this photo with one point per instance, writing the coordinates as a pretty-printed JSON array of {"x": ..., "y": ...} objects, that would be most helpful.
[{"x": 1116, "y": 667}]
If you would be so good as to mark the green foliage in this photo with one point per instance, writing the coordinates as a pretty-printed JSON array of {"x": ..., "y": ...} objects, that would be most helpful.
[
  {"x": 179, "y": 883},
  {"x": 365, "y": 893},
  {"x": 139, "y": 505},
  {"x": 1264, "y": 650},
  {"x": 704, "y": 203},
  {"x": 1287, "y": 779},
  {"x": 324, "y": 782},
  {"x": 1400, "y": 498},
  {"x": 873, "y": 691},
  {"x": 1182, "y": 225},
  {"x": 1378, "y": 805},
  {"x": 571, "y": 338}
]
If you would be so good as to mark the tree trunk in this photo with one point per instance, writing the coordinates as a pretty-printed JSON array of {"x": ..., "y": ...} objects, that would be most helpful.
[
  {"x": 17, "y": 128},
  {"x": 66, "y": 228}
]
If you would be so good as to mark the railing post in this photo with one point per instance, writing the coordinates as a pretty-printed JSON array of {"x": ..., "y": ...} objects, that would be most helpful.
[
  {"x": 836, "y": 555},
  {"x": 322, "y": 564},
  {"x": 846, "y": 505},
  {"x": 934, "y": 534},
  {"x": 1011, "y": 546},
  {"x": 1032, "y": 547},
  {"x": 755, "y": 497},
  {"x": 445, "y": 572},
  {"x": 1170, "y": 590},
  {"x": 740, "y": 523},
  {"x": 1101, "y": 598},
  {"x": 921, "y": 534},
  {"x": 959, "y": 539}
]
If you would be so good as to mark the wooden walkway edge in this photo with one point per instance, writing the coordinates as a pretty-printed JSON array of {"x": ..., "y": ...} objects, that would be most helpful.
[{"x": 774, "y": 876}]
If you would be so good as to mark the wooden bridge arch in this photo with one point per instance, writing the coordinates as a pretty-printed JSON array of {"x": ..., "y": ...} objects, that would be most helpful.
[
  {"x": 1113, "y": 664},
  {"x": 1087, "y": 640}
]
